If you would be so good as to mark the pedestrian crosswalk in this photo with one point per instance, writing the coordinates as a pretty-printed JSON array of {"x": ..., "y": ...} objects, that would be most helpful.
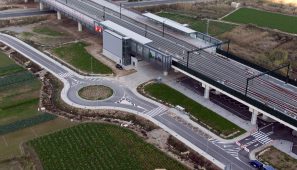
[
  {"x": 262, "y": 137},
  {"x": 65, "y": 75},
  {"x": 156, "y": 111}
]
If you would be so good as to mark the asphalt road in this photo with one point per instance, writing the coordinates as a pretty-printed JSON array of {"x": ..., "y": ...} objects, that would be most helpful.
[
  {"x": 219, "y": 153},
  {"x": 270, "y": 91},
  {"x": 21, "y": 13}
]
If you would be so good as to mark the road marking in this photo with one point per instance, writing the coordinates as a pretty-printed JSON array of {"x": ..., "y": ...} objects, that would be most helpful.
[
  {"x": 230, "y": 148},
  {"x": 156, "y": 111},
  {"x": 262, "y": 137}
]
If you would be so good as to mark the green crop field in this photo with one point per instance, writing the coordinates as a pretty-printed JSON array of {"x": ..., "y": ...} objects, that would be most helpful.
[
  {"x": 10, "y": 142},
  {"x": 19, "y": 92},
  {"x": 76, "y": 55},
  {"x": 7, "y": 66},
  {"x": 264, "y": 19},
  {"x": 99, "y": 146},
  {"x": 206, "y": 116},
  {"x": 215, "y": 28}
]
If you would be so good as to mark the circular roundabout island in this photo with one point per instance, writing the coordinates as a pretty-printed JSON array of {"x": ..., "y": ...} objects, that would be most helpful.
[{"x": 95, "y": 92}]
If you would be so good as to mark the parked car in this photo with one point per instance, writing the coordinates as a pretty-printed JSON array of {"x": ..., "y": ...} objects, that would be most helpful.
[
  {"x": 118, "y": 66},
  {"x": 256, "y": 164}
]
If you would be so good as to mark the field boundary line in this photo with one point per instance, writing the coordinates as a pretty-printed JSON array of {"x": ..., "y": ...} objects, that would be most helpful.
[{"x": 229, "y": 13}]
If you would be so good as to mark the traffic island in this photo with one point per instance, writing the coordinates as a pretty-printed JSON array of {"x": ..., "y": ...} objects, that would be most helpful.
[{"x": 95, "y": 92}]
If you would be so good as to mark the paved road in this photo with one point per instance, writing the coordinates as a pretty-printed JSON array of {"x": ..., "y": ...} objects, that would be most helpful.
[
  {"x": 228, "y": 156},
  {"x": 269, "y": 91},
  {"x": 22, "y": 13}
]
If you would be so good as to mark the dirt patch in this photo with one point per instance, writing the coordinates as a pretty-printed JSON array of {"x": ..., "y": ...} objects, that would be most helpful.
[
  {"x": 96, "y": 92},
  {"x": 263, "y": 47},
  {"x": 277, "y": 159}
]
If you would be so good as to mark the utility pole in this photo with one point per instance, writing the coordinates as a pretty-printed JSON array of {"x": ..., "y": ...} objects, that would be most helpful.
[
  {"x": 267, "y": 72},
  {"x": 104, "y": 13},
  {"x": 207, "y": 26},
  {"x": 120, "y": 10},
  {"x": 163, "y": 27},
  {"x": 145, "y": 30},
  {"x": 91, "y": 64}
]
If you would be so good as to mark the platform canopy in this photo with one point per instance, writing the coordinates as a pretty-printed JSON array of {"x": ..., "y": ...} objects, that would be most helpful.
[
  {"x": 125, "y": 32},
  {"x": 169, "y": 23}
]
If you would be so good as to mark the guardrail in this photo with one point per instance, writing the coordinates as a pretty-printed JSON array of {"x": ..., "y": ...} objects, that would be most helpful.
[{"x": 237, "y": 94}]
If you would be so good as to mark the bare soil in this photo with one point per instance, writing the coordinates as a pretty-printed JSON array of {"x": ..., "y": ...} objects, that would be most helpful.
[
  {"x": 277, "y": 159},
  {"x": 263, "y": 47},
  {"x": 96, "y": 92}
]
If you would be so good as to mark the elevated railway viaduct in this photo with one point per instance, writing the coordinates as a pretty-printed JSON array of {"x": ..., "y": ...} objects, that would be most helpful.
[{"x": 266, "y": 95}]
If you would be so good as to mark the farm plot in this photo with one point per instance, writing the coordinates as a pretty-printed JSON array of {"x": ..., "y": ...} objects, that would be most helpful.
[
  {"x": 7, "y": 66},
  {"x": 99, "y": 146},
  {"x": 264, "y": 19}
]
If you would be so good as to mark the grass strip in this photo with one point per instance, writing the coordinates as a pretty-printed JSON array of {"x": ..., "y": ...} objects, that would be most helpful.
[{"x": 212, "y": 120}]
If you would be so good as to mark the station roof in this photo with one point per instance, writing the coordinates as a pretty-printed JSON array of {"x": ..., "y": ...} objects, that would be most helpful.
[
  {"x": 125, "y": 32},
  {"x": 169, "y": 23}
]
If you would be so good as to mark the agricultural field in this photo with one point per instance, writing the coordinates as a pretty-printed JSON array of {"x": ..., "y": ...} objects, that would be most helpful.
[
  {"x": 7, "y": 66},
  {"x": 215, "y": 27},
  {"x": 19, "y": 98},
  {"x": 76, "y": 55},
  {"x": 264, "y": 19},
  {"x": 10, "y": 142},
  {"x": 219, "y": 124},
  {"x": 99, "y": 146}
]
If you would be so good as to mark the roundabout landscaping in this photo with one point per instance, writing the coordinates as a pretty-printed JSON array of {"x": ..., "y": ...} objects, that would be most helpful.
[{"x": 95, "y": 92}]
